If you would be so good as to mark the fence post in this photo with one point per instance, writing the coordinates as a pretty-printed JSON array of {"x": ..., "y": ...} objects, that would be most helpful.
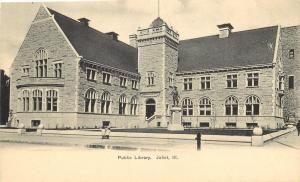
[{"x": 198, "y": 138}]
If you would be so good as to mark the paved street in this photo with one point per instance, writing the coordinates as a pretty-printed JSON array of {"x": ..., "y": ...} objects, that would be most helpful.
[{"x": 276, "y": 161}]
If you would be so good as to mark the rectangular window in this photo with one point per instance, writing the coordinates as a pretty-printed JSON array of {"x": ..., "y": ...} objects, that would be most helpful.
[
  {"x": 171, "y": 79},
  {"x": 150, "y": 78},
  {"x": 205, "y": 83},
  {"x": 230, "y": 125},
  {"x": 90, "y": 74},
  {"x": 58, "y": 70},
  {"x": 281, "y": 83},
  {"x": 291, "y": 54},
  {"x": 252, "y": 79},
  {"x": 204, "y": 124},
  {"x": 25, "y": 70},
  {"x": 106, "y": 78},
  {"x": 291, "y": 82},
  {"x": 232, "y": 81},
  {"x": 187, "y": 84},
  {"x": 134, "y": 84},
  {"x": 41, "y": 68},
  {"x": 123, "y": 81}
]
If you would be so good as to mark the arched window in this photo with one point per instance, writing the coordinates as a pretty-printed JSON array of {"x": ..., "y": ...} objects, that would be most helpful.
[
  {"x": 37, "y": 97},
  {"x": 133, "y": 106},
  {"x": 205, "y": 106},
  {"x": 90, "y": 100},
  {"x": 231, "y": 106},
  {"x": 41, "y": 58},
  {"x": 187, "y": 107},
  {"x": 51, "y": 100},
  {"x": 105, "y": 103},
  {"x": 25, "y": 98},
  {"x": 122, "y": 104},
  {"x": 252, "y": 105}
]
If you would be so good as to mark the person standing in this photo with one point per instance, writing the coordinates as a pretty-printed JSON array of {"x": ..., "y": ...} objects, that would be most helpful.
[{"x": 298, "y": 127}]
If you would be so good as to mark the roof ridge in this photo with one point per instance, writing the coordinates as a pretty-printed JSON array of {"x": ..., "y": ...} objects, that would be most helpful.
[
  {"x": 90, "y": 28},
  {"x": 241, "y": 31}
]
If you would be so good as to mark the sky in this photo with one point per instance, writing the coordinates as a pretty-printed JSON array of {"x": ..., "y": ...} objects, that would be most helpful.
[{"x": 191, "y": 18}]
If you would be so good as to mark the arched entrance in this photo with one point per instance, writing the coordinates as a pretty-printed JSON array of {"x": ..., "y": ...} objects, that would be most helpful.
[{"x": 150, "y": 107}]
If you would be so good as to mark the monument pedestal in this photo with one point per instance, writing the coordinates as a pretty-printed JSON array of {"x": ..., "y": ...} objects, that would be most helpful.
[{"x": 175, "y": 124}]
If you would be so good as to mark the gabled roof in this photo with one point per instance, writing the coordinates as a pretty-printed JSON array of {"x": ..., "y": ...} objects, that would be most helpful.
[
  {"x": 244, "y": 48},
  {"x": 96, "y": 46}
]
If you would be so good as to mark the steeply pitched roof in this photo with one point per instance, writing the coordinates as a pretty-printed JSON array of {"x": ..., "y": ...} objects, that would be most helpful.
[
  {"x": 97, "y": 46},
  {"x": 245, "y": 48}
]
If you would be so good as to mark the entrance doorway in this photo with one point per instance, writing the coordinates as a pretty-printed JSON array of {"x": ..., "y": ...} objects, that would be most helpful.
[{"x": 150, "y": 107}]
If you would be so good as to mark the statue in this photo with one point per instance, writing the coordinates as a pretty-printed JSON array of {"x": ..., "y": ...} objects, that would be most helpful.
[{"x": 176, "y": 97}]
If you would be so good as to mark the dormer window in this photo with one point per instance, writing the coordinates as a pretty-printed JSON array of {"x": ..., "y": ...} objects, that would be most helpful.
[{"x": 291, "y": 54}]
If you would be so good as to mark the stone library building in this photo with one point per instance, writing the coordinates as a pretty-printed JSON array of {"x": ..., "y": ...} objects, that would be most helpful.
[{"x": 66, "y": 74}]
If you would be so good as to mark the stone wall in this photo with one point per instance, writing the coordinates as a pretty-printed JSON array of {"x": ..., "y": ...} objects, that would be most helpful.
[
  {"x": 290, "y": 37},
  {"x": 218, "y": 94},
  {"x": 44, "y": 34}
]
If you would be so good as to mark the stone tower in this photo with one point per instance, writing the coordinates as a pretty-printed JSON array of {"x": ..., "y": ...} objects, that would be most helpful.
[
  {"x": 157, "y": 63},
  {"x": 290, "y": 37}
]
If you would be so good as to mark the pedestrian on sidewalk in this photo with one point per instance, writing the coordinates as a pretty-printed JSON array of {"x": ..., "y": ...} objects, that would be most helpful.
[{"x": 298, "y": 127}]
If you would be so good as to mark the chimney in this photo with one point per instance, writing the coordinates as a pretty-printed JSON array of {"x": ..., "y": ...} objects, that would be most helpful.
[
  {"x": 225, "y": 30},
  {"x": 84, "y": 21},
  {"x": 113, "y": 35},
  {"x": 132, "y": 40}
]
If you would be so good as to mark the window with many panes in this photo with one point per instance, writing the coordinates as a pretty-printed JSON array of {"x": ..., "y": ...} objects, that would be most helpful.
[
  {"x": 231, "y": 106},
  {"x": 187, "y": 107},
  {"x": 291, "y": 54},
  {"x": 252, "y": 105},
  {"x": 281, "y": 83},
  {"x": 252, "y": 79},
  {"x": 105, "y": 103},
  {"x": 25, "y": 98},
  {"x": 106, "y": 78},
  {"x": 133, "y": 106},
  {"x": 150, "y": 78},
  {"x": 41, "y": 58},
  {"x": 123, "y": 81},
  {"x": 205, "y": 107},
  {"x": 51, "y": 100},
  {"x": 58, "y": 70},
  {"x": 204, "y": 82},
  {"x": 37, "y": 100},
  {"x": 232, "y": 81},
  {"x": 122, "y": 104},
  {"x": 90, "y": 100},
  {"x": 91, "y": 74},
  {"x": 134, "y": 84},
  {"x": 187, "y": 84},
  {"x": 291, "y": 82}
]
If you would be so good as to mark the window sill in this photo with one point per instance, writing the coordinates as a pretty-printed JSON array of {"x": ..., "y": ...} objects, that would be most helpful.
[
  {"x": 205, "y": 89},
  {"x": 123, "y": 86},
  {"x": 91, "y": 80},
  {"x": 106, "y": 83},
  {"x": 252, "y": 87},
  {"x": 230, "y": 87},
  {"x": 135, "y": 89},
  {"x": 150, "y": 85},
  {"x": 188, "y": 90}
]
